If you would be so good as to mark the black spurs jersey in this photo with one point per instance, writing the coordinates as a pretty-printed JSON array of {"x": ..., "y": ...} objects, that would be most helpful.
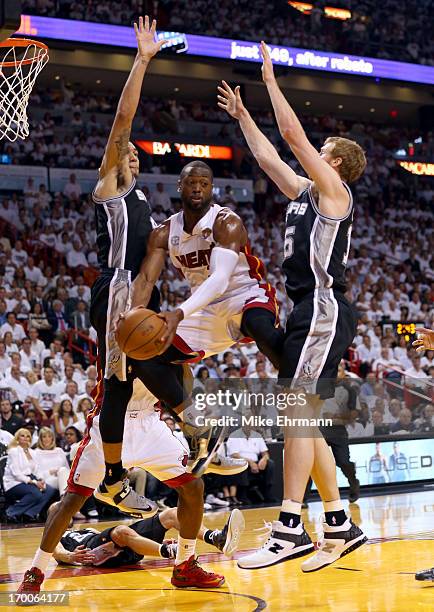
[
  {"x": 73, "y": 539},
  {"x": 91, "y": 538},
  {"x": 123, "y": 225},
  {"x": 316, "y": 247}
]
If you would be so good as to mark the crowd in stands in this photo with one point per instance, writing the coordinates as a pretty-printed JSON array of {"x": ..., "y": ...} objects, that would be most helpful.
[
  {"x": 48, "y": 261},
  {"x": 73, "y": 130},
  {"x": 387, "y": 30}
]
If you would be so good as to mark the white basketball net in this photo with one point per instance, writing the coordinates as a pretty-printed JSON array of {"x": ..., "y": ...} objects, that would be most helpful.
[{"x": 16, "y": 84}]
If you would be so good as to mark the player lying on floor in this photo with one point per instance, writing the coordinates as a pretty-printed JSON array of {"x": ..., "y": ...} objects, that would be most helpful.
[
  {"x": 150, "y": 445},
  {"x": 123, "y": 545}
]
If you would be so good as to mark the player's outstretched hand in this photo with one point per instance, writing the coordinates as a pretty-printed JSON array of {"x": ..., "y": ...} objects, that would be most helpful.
[
  {"x": 145, "y": 34},
  {"x": 230, "y": 100},
  {"x": 172, "y": 319},
  {"x": 267, "y": 64},
  {"x": 425, "y": 339}
]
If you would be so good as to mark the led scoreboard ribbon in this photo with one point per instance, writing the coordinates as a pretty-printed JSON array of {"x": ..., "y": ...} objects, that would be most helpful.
[{"x": 224, "y": 48}]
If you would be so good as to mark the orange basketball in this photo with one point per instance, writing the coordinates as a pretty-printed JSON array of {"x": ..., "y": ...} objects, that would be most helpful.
[{"x": 139, "y": 332}]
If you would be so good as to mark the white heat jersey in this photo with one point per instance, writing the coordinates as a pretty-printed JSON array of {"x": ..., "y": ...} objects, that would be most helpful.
[{"x": 191, "y": 254}]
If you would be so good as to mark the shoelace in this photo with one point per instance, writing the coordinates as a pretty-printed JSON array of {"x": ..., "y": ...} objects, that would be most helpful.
[
  {"x": 267, "y": 529},
  {"x": 31, "y": 577},
  {"x": 197, "y": 569},
  {"x": 319, "y": 530}
]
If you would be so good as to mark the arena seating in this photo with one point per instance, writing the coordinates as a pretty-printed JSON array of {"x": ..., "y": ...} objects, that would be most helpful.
[{"x": 386, "y": 30}]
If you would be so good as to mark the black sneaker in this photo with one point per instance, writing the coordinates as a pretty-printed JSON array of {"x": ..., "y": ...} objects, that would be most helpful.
[
  {"x": 427, "y": 575},
  {"x": 122, "y": 496},
  {"x": 227, "y": 540}
]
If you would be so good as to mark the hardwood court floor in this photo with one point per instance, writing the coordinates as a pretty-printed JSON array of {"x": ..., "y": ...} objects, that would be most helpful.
[{"x": 376, "y": 578}]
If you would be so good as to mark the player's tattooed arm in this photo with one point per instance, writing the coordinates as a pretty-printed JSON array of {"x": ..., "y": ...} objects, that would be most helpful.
[
  {"x": 115, "y": 161},
  {"x": 262, "y": 149},
  {"x": 152, "y": 266}
]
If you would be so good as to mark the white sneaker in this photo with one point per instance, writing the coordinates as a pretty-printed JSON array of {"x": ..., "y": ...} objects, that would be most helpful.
[
  {"x": 283, "y": 544},
  {"x": 226, "y": 466},
  {"x": 207, "y": 506},
  {"x": 335, "y": 543},
  {"x": 228, "y": 539},
  {"x": 215, "y": 501},
  {"x": 93, "y": 514}
]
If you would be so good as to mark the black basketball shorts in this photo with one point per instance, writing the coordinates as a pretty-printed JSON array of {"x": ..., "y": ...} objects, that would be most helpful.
[{"x": 318, "y": 333}]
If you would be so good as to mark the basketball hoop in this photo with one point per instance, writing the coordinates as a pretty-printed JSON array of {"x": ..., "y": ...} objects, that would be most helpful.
[{"x": 21, "y": 63}]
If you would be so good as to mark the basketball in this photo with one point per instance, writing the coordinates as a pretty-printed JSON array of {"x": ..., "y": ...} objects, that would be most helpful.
[{"x": 139, "y": 332}]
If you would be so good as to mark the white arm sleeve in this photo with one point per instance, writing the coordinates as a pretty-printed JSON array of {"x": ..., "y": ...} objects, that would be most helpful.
[{"x": 221, "y": 266}]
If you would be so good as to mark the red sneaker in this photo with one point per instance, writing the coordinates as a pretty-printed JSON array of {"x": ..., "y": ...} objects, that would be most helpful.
[
  {"x": 190, "y": 574},
  {"x": 31, "y": 583}
]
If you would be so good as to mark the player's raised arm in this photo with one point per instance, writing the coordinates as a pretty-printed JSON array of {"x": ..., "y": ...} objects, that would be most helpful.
[
  {"x": 152, "y": 265},
  {"x": 262, "y": 149},
  {"x": 334, "y": 198},
  {"x": 116, "y": 156}
]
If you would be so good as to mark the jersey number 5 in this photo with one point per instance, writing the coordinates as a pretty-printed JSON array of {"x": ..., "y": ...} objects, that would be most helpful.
[{"x": 288, "y": 247}]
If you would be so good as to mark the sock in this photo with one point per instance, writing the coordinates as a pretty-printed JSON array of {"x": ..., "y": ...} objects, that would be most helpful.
[
  {"x": 186, "y": 548},
  {"x": 290, "y": 514},
  {"x": 165, "y": 551},
  {"x": 113, "y": 472},
  {"x": 334, "y": 513},
  {"x": 41, "y": 560},
  {"x": 209, "y": 535}
]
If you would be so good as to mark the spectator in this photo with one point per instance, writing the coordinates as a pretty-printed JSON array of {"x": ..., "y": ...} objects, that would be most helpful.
[
  {"x": 5, "y": 439},
  {"x": 44, "y": 394},
  {"x": 18, "y": 255},
  {"x": 51, "y": 460},
  {"x": 80, "y": 317},
  {"x": 57, "y": 317},
  {"x": 425, "y": 423},
  {"x": 9, "y": 421},
  {"x": 249, "y": 444},
  {"x": 10, "y": 346},
  {"x": 404, "y": 424},
  {"x": 64, "y": 418},
  {"x": 380, "y": 428},
  {"x": 227, "y": 199},
  {"x": 72, "y": 188},
  {"x": 71, "y": 394},
  {"x": 71, "y": 436},
  {"x": 33, "y": 273},
  {"x": 366, "y": 354},
  {"x": 26, "y": 492},
  {"x": 12, "y": 326},
  {"x": 76, "y": 258},
  {"x": 29, "y": 359},
  {"x": 161, "y": 198},
  {"x": 83, "y": 409},
  {"x": 37, "y": 345},
  {"x": 5, "y": 361},
  {"x": 17, "y": 382}
]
